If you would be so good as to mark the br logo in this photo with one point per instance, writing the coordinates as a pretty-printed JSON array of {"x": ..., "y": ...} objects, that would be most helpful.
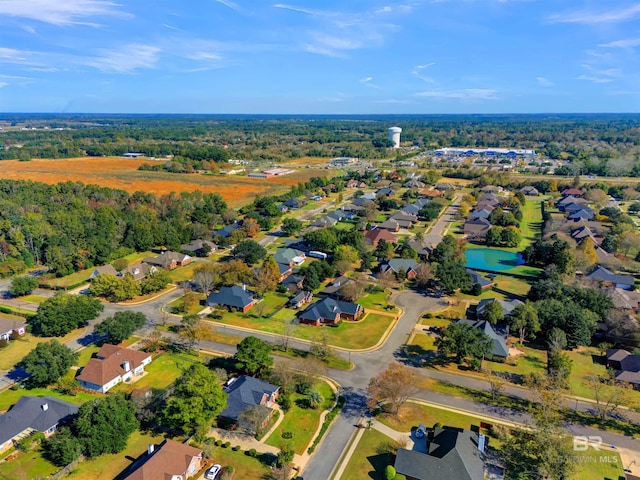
[{"x": 581, "y": 443}]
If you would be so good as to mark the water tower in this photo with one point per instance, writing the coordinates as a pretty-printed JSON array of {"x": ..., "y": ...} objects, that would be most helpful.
[{"x": 394, "y": 136}]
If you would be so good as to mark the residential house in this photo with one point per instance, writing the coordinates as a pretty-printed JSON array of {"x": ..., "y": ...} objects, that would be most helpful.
[
  {"x": 624, "y": 299},
  {"x": 138, "y": 270},
  {"x": 364, "y": 200},
  {"x": 579, "y": 234},
  {"x": 245, "y": 392},
  {"x": 491, "y": 189},
  {"x": 386, "y": 191},
  {"x": 33, "y": 414},
  {"x": 226, "y": 231},
  {"x": 337, "y": 215},
  {"x": 289, "y": 256},
  {"x": 420, "y": 248},
  {"x": 9, "y": 328},
  {"x": 374, "y": 236},
  {"x": 330, "y": 311},
  {"x": 170, "y": 460},
  {"x": 565, "y": 201},
  {"x": 324, "y": 222},
  {"x": 111, "y": 366},
  {"x": 169, "y": 260},
  {"x": 234, "y": 298},
  {"x": 486, "y": 205},
  {"x": 608, "y": 278},
  {"x": 477, "y": 228},
  {"x": 390, "y": 225},
  {"x": 414, "y": 183},
  {"x": 355, "y": 184},
  {"x": 292, "y": 282},
  {"x": 201, "y": 248},
  {"x": 352, "y": 208},
  {"x": 293, "y": 203},
  {"x": 300, "y": 299},
  {"x": 404, "y": 219},
  {"x": 507, "y": 306},
  {"x": 479, "y": 279},
  {"x": 103, "y": 270},
  {"x": 484, "y": 212},
  {"x": 530, "y": 191},
  {"x": 431, "y": 193},
  {"x": 333, "y": 289},
  {"x": 397, "y": 265},
  {"x": 584, "y": 214},
  {"x": 498, "y": 338},
  {"x": 625, "y": 365},
  {"x": 574, "y": 192},
  {"x": 452, "y": 454},
  {"x": 284, "y": 270},
  {"x": 445, "y": 187},
  {"x": 491, "y": 199},
  {"x": 415, "y": 207},
  {"x": 383, "y": 183}
]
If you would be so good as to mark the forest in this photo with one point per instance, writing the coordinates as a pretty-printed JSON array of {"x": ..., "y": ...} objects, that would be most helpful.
[{"x": 594, "y": 140}]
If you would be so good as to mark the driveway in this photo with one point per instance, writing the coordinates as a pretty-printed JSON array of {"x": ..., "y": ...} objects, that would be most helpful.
[{"x": 443, "y": 223}]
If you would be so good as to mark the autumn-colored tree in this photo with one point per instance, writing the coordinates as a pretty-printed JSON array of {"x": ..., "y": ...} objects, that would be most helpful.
[
  {"x": 589, "y": 250},
  {"x": 267, "y": 277},
  {"x": 251, "y": 226},
  {"x": 597, "y": 196},
  {"x": 424, "y": 276},
  {"x": 194, "y": 329},
  {"x": 392, "y": 386},
  {"x": 346, "y": 253}
]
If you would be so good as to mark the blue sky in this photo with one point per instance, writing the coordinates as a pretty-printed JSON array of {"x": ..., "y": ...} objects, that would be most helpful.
[{"x": 350, "y": 56}]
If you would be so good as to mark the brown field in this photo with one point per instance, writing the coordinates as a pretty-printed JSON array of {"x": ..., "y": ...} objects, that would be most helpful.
[
  {"x": 308, "y": 161},
  {"x": 123, "y": 173}
]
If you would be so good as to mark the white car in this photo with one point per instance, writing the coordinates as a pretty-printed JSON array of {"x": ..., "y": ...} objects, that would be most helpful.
[{"x": 212, "y": 472}]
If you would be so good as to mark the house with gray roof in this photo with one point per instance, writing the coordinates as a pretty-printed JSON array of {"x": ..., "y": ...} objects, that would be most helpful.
[
  {"x": 480, "y": 213},
  {"x": 530, "y": 191},
  {"x": 234, "y": 298},
  {"x": 452, "y": 454},
  {"x": 386, "y": 191},
  {"x": 138, "y": 271},
  {"x": 564, "y": 202},
  {"x": 477, "y": 228},
  {"x": 289, "y": 256},
  {"x": 169, "y": 260},
  {"x": 390, "y": 225},
  {"x": 103, "y": 270},
  {"x": 498, "y": 338},
  {"x": 301, "y": 298},
  {"x": 507, "y": 305},
  {"x": 293, "y": 203},
  {"x": 414, "y": 183},
  {"x": 626, "y": 366},
  {"x": 479, "y": 279},
  {"x": 333, "y": 289},
  {"x": 584, "y": 214},
  {"x": 324, "y": 222},
  {"x": 199, "y": 247},
  {"x": 9, "y": 328},
  {"x": 245, "y": 392},
  {"x": 396, "y": 265},
  {"x": 329, "y": 311},
  {"x": 33, "y": 414},
  {"x": 608, "y": 278},
  {"x": 420, "y": 248}
]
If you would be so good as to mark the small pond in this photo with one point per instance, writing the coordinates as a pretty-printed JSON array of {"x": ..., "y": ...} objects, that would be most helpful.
[{"x": 492, "y": 260}]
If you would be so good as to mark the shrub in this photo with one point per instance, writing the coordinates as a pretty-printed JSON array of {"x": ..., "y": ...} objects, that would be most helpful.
[
  {"x": 3, "y": 342},
  {"x": 251, "y": 453},
  {"x": 285, "y": 402},
  {"x": 427, "y": 315},
  {"x": 303, "y": 387},
  {"x": 217, "y": 443},
  {"x": 226, "y": 444},
  {"x": 287, "y": 435},
  {"x": 437, "y": 425},
  {"x": 389, "y": 473},
  {"x": 4, "y": 309},
  {"x": 236, "y": 448}
]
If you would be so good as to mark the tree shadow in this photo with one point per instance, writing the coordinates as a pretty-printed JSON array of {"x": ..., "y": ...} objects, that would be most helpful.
[{"x": 379, "y": 463}]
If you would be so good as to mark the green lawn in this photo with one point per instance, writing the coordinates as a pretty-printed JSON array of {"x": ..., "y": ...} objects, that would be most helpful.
[
  {"x": 505, "y": 286},
  {"x": 29, "y": 465},
  {"x": 73, "y": 279},
  {"x": 182, "y": 274},
  {"x": 34, "y": 298},
  {"x": 602, "y": 465},
  {"x": 243, "y": 465},
  {"x": 85, "y": 355},
  {"x": 376, "y": 301},
  {"x": 413, "y": 414},
  {"x": 177, "y": 306},
  {"x": 15, "y": 351},
  {"x": 302, "y": 422},
  {"x": 531, "y": 225},
  {"x": 107, "y": 467},
  {"x": 370, "y": 457}
]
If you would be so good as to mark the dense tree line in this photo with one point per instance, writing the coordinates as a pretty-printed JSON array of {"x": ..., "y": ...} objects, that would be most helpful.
[{"x": 71, "y": 226}]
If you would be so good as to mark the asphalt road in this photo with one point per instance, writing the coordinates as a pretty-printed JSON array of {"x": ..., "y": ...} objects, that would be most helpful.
[{"x": 436, "y": 233}]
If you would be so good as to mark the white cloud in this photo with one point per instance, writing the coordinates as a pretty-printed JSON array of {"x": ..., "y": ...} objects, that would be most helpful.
[
  {"x": 385, "y": 9},
  {"x": 306, "y": 11},
  {"x": 366, "y": 79},
  {"x": 590, "y": 17},
  {"x": 609, "y": 72},
  {"x": 171, "y": 27},
  {"x": 422, "y": 67},
  {"x": 594, "y": 79},
  {"x": 229, "y": 4},
  {"x": 461, "y": 94},
  {"x": 29, "y": 29},
  {"x": 126, "y": 59},
  {"x": 545, "y": 82},
  {"x": 628, "y": 43},
  {"x": 3, "y": 84},
  {"x": 60, "y": 12},
  {"x": 13, "y": 54}
]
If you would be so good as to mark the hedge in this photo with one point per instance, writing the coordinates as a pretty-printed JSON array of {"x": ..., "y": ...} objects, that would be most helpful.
[{"x": 328, "y": 420}]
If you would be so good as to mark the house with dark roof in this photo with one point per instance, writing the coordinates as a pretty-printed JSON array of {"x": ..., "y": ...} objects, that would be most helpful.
[
  {"x": 292, "y": 282},
  {"x": 452, "y": 454},
  {"x": 390, "y": 225},
  {"x": 626, "y": 366},
  {"x": 499, "y": 346},
  {"x": 414, "y": 183},
  {"x": 244, "y": 392},
  {"x": 324, "y": 222},
  {"x": 574, "y": 192},
  {"x": 301, "y": 298},
  {"x": 334, "y": 287},
  {"x": 583, "y": 214},
  {"x": 293, "y": 203},
  {"x": 445, "y": 186},
  {"x": 226, "y": 231},
  {"x": 329, "y": 311},
  {"x": 420, "y": 248},
  {"x": 234, "y": 298},
  {"x": 507, "y": 305},
  {"x": 404, "y": 218},
  {"x": 374, "y": 236},
  {"x": 112, "y": 365},
  {"x": 476, "y": 278},
  {"x": 103, "y": 270},
  {"x": 169, "y": 260},
  {"x": 10, "y": 327},
  {"x": 566, "y": 201},
  {"x": 289, "y": 256},
  {"x": 397, "y": 265},
  {"x": 581, "y": 233},
  {"x": 483, "y": 212},
  {"x": 199, "y": 247},
  {"x": 477, "y": 228},
  {"x": 170, "y": 460},
  {"x": 607, "y": 278},
  {"x": 530, "y": 191},
  {"x": 33, "y": 414}
]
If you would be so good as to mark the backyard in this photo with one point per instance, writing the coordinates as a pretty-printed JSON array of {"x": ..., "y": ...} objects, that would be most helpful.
[{"x": 15, "y": 351}]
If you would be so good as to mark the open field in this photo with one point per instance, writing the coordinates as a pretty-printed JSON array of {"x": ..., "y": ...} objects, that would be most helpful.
[
  {"x": 17, "y": 349},
  {"x": 122, "y": 173}
]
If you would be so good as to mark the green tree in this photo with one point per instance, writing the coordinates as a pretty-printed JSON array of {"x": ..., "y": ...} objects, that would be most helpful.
[
  {"x": 105, "y": 424},
  {"x": 62, "y": 448},
  {"x": 291, "y": 226},
  {"x": 103, "y": 285},
  {"x": 493, "y": 313},
  {"x": 389, "y": 472},
  {"x": 345, "y": 253},
  {"x": 446, "y": 251},
  {"x": 126, "y": 289},
  {"x": 494, "y": 236},
  {"x": 121, "y": 326},
  {"x": 155, "y": 281},
  {"x": 464, "y": 341},
  {"x": 285, "y": 455},
  {"x": 323, "y": 239},
  {"x": 315, "y": 399},
  {"x": 453, "y": 275},
  {"x": 558, "y": 367},
  {"x": 385, "y": 250},
  {"x": 253, "y": 356},
  {"x": 21, "y": 286},
  {"x": 48, "y": 362},
  {"x": 249, "y": 251},
  {"x": 524, "y": 319},
  {"x": 62, "y": 313},
  {"x": 511, "y": 237},
  {"x": 197, "y": 399}
]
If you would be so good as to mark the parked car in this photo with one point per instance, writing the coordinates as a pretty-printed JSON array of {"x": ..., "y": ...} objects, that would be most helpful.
[
  {"x": 421, "y": 431},
  {"x": 212, "y": 472}
]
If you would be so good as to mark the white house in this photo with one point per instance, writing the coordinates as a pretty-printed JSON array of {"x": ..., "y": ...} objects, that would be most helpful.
[{"x": 111, "y": 366}]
